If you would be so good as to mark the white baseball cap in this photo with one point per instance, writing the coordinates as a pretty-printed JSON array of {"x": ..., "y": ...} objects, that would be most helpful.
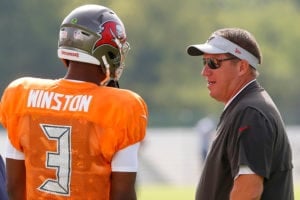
[{"x": 218, "y": 45}]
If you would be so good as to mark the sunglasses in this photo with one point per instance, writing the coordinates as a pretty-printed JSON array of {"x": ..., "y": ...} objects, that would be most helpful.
[{"x": 214, "y": 63}]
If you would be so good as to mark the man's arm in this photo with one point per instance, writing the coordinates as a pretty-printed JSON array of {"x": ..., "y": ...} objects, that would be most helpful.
[
  {"x": 247, "y": 187},
  {"x": 16, "y": 178},
  {"x": 123, "y": 186}
]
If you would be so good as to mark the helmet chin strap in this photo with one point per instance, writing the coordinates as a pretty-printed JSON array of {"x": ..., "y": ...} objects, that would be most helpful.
[
  {"x": 107, "y": 81},
  {"x": 107, "y": 72},
  {"x": 113, "y": 83}
]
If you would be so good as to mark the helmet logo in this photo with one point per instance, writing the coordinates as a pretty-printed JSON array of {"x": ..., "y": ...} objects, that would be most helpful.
[
  {"x": 72, "y": 54},
  {"x": 109, "y": 32},
  {"x": 74, "y": 21}
]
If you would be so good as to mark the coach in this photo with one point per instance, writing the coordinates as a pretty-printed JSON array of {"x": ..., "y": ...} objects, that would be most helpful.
[{"x": 250, "y": 157}]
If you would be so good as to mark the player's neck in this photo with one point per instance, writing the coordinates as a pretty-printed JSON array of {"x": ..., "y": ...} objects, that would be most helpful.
[{"x": 84, "y": 72}]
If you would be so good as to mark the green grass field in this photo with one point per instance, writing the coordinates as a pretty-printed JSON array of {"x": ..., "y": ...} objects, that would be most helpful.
[{"x": 164, "y": 192}]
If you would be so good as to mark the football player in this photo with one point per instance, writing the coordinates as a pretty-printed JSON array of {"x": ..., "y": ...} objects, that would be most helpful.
[{"x": 75, "y": 137}]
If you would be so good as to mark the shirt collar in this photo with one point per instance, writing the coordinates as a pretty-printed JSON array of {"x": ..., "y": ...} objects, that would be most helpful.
[{"x": 228, "y": 103}]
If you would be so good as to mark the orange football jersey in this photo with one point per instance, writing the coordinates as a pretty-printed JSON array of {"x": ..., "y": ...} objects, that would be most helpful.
[{"x": 69, "y": 132}]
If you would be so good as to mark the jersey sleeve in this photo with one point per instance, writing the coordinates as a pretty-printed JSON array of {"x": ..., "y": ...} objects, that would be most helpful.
[
  {"x": 11, "y": 106},
  {"x": 256, "y": 141},
  {"x": 12, "y": 152},
  {"x": 124, "y": 122},
  {"x": 136, "y": 117}
]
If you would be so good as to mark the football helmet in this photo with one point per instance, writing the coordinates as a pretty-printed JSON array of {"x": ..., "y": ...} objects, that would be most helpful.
[{"x": 94, "y": 34}]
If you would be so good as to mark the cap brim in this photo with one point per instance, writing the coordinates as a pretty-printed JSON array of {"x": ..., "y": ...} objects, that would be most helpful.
[{"x": 200, "y": 49}]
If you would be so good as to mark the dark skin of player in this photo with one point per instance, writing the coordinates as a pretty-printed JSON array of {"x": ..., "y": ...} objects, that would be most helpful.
[{"x": 122, "y": 183}]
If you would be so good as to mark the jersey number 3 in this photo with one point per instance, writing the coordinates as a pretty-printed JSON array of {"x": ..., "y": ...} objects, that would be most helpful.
[{"x": 59, "y": 160}]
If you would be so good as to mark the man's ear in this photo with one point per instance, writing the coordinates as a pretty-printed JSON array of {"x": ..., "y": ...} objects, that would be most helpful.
[{"x": 243, "y": 67}]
